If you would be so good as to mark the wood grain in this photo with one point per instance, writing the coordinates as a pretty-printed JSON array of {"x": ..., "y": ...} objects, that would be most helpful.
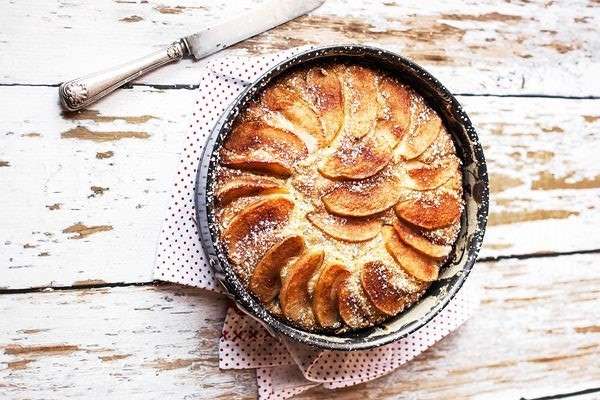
[
  {"x": 545, "y": 185},
  {"x": 536, "y": 329},
  {"x": 517, "y": 47},
  {"x": 90, "y": 205},
  {"x": 84, "y": 197}
]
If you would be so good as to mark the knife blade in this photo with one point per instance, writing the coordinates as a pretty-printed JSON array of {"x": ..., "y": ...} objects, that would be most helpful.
[
  {"x": 263, "y": 17},
  {"x": 81, "y": 92}
]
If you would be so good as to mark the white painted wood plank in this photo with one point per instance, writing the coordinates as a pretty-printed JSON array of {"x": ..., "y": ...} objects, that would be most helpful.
[
  {"x": 54, "y": 185},
  {"x": 536, "y": 334},
  {"x": 541, "y": 156},
  {"x": 537, "y": 47},
  {"x": 544, "y": 178}
]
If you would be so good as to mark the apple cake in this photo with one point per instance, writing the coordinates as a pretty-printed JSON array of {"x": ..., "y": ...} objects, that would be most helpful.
[{"x": 338, "y": 196}]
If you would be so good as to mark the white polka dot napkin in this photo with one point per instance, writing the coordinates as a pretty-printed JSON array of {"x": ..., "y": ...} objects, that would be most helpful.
[{"x": 283, "y": 369}]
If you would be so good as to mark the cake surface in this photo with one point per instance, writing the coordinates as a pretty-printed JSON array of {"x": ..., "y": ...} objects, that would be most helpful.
[{"x": 338, "y": 196}]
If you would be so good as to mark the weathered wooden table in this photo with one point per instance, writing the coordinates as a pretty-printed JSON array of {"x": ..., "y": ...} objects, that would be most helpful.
[{"x": 83, "y": 196}]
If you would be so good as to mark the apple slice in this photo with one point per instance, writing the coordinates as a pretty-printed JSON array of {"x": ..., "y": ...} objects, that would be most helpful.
[
  {"x": 294, "y": 297},
  {"x": 356, "y": 310},
  {"x": 421, "y": 176},
  {"x": 290, "y": 103},
  {"x": 362, "y": 199},
  {"x": 256, "y": 146},
  {"x": 265, "y": 280},
  {"x": 416, "y": 264},
  {"x": 394, "y": 114},
  {"x": 255, "y": 226},
  {"x": 420, "y": 243},
  {"x": 378, "y": 283},
  {"x": 357, "y": 158},
  {"x": 253, "y": 135},
  {"x": 431, "y": 210},
  {"x": 441, "y": 148},
  {"x": 325, "y": 89},
  {"x": 349, "y": 230},
  {"x": 257, "y": 163},
  {"x": 325, "y": 301},
  {"x": 245, "y": 186},
  {"x": 360, "y": 96},
  {"x": 418, "y": 140}
]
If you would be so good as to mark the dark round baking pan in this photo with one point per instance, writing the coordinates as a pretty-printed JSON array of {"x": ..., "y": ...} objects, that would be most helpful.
[{"x": 464, "y": 253}]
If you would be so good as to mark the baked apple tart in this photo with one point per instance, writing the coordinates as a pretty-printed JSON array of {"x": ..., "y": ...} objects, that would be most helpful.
[{"x": 339, "y": 196}]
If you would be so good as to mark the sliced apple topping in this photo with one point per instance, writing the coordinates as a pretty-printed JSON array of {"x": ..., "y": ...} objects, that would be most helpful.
[
  {"x": 378, "y": 282},
  {"x": 347, "y": 229},
  {"x": 244, "y": 186},
  {"x": 255, "y": 227},
  {"x": 421, "y": 176},
  {"x": 413, "y": 238},
  {"x": 295, "y": 109},
  {"x": 325, "y": 295},
  {"x": 254, "y": 145},
  {"x": 418, "y": 140},
  {"x": 356, "y": 310},
  {"x": 443, "y": 236},
  {"x": 257, "y": 134},
  {"x": 394, "y": 114},
  {"x": 357, "y": 158},
  {"x": 416, "y": 264},
  {"x": 326, "y": 92},
  {"x": 430, "y": 210},
  {"x": 265, "y": 280},
  {"x": 255, "y": 163},
  {"x": 441, "y": 148},
  {"x": 360, "y": 97},
  {"x": 294, "y": 297},
  {"x": 360, "y": 199}
]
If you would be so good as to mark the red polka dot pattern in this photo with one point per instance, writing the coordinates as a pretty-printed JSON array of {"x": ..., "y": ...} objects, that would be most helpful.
[
  {"x": 245, "y": 343},
  {"x": 283, "y": 369}
]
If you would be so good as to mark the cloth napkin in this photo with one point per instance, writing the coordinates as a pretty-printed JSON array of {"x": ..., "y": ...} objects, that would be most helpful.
[{"x": 283, "y": 368}]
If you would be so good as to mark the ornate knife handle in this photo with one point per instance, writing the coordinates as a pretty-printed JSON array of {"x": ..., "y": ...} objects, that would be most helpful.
[{"x": 81, "y": 92}]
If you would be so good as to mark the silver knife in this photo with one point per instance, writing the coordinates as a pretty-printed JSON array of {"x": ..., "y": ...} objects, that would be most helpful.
[{"x": 81, "y": 92}]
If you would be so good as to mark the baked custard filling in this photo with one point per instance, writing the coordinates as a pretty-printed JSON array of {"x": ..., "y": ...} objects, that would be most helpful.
[{"x": 339, "y": 196}]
